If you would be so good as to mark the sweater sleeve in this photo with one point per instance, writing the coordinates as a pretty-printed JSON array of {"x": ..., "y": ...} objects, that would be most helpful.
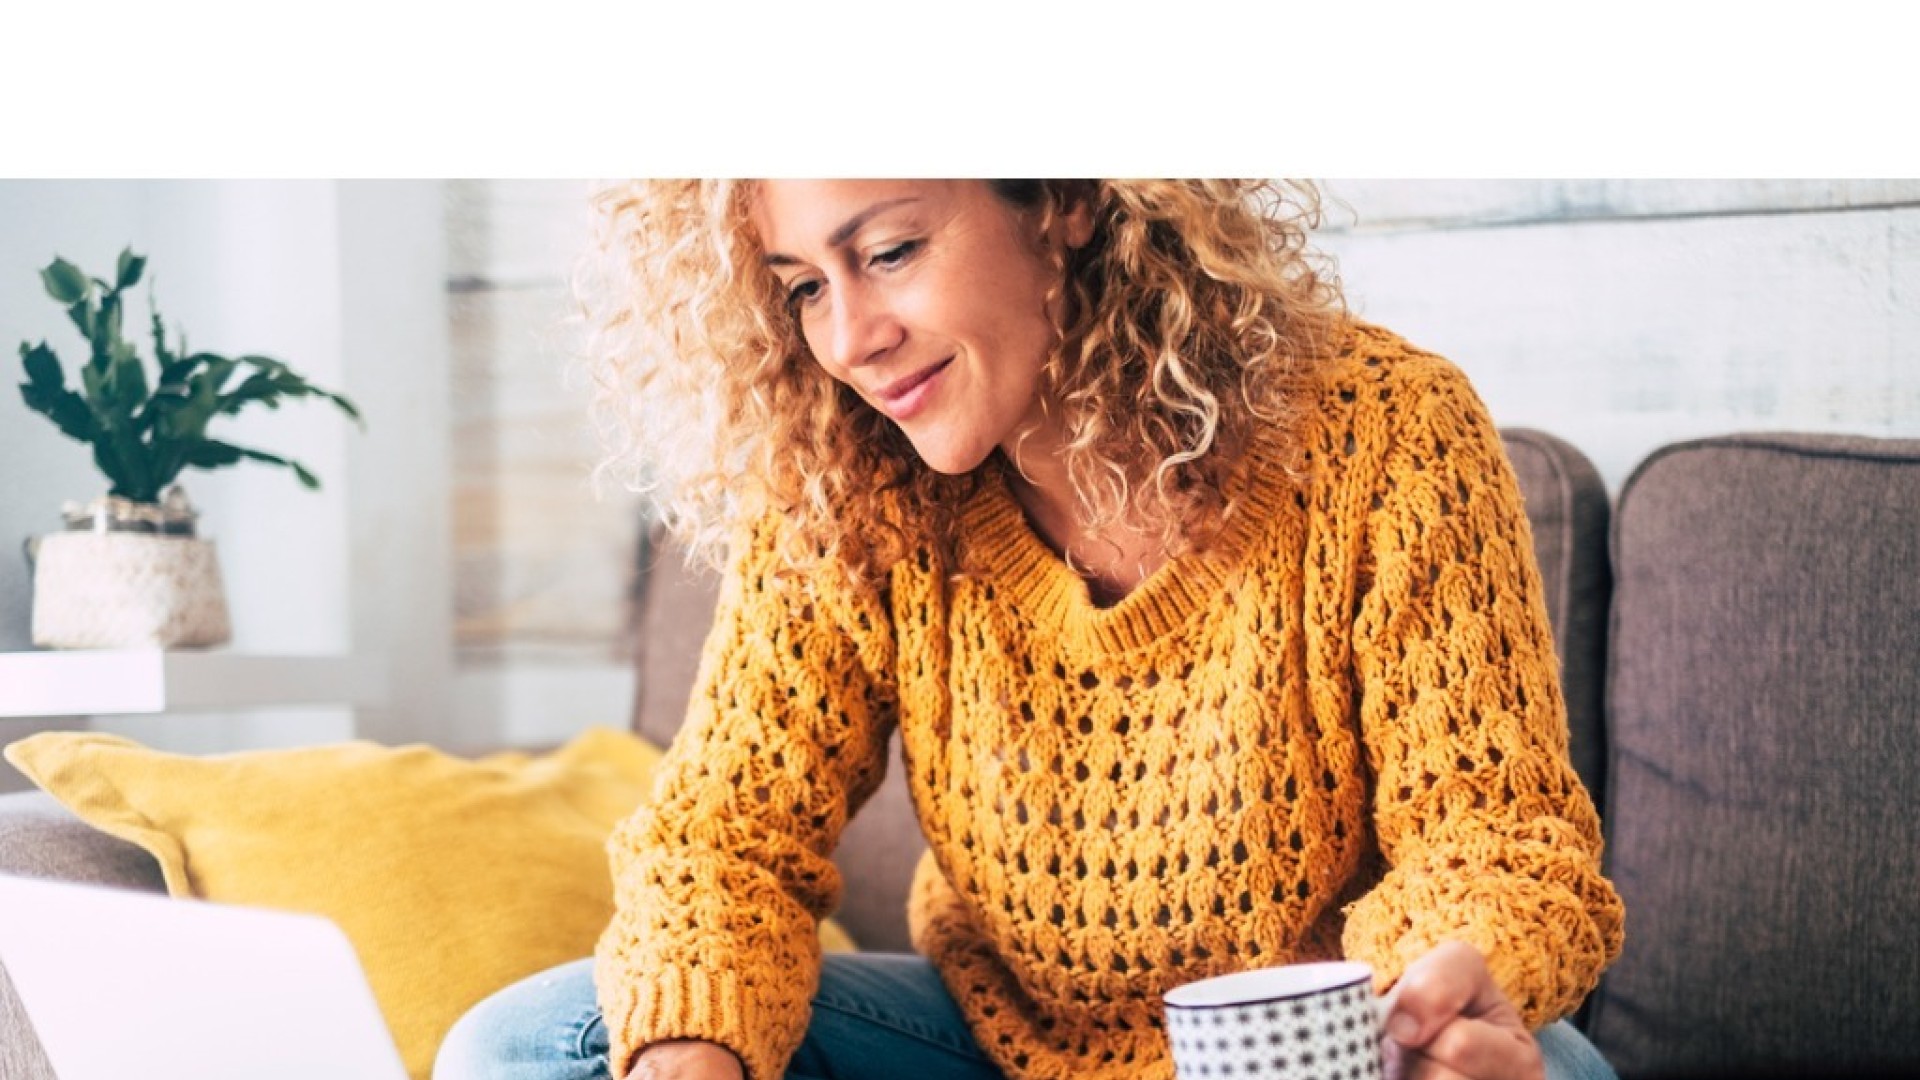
[
  {"x": 721, "y": 878},
  {"x": 1487, "y": 833}
]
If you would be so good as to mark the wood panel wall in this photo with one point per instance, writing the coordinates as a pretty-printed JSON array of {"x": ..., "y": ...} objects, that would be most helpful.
[{"x": 542, "y": 566}]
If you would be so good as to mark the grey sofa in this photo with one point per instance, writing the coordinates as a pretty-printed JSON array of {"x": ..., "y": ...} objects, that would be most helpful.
[
  {"x": 1763, "y": 730},
  {"x": 1738, "y": 634}
]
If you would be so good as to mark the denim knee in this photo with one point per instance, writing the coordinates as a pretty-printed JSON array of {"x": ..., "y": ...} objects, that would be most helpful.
[
  {"x": 545, "y": 1027},
  {"x": 1569, "y": 1056}
]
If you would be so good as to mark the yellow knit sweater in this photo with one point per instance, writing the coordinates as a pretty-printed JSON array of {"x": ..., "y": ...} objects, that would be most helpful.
[{"x": 1336, "y": 732}]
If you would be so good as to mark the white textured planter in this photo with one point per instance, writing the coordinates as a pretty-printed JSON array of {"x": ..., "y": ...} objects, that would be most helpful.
[{"x": 115, "y": 590}]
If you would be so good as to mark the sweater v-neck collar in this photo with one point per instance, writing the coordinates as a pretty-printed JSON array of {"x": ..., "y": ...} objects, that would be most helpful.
[{"x": 1036, "y": 579}]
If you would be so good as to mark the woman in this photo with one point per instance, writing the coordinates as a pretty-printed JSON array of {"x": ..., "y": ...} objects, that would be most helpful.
[{"x": 1206, "y": 614}]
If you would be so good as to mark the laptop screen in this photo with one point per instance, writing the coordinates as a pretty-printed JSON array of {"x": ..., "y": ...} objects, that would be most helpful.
[{"x": 125, "y": 984}]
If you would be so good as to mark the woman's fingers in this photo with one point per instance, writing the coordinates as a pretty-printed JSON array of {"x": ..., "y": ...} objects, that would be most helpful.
[
  {"x": 1450, "y": 981},
  {"x": 1476, "y": 1050},
  {"x": 1450, "y": 1020},
  {"x": 1416, "y": 1067}
]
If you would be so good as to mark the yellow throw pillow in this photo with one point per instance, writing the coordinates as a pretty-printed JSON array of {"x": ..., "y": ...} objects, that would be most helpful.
[{"x": 452, "y": 878}]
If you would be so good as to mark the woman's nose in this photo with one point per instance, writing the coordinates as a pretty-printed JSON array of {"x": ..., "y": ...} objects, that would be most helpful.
[{"x": 865, "y": 327}]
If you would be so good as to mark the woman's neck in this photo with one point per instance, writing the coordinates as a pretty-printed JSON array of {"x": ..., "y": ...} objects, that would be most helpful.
[{"x": 1113, "y": 559}]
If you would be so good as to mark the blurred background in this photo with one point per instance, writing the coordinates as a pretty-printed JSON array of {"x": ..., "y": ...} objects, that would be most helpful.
[{"x": 458, "y": 542}]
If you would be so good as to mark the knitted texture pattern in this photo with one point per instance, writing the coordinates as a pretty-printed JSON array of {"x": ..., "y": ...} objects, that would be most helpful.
[{"x": 1336, "y": 731}]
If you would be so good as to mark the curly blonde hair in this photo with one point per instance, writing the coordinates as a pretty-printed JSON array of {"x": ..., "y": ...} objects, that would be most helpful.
[{"x": 1189, "y": 320}]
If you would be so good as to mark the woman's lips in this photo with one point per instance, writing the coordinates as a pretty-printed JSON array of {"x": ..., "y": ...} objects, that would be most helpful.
[{"x": 905, "y": 397}]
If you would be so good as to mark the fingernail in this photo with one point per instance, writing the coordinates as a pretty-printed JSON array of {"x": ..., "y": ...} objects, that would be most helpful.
[{"x": 1402, "y": 1028}]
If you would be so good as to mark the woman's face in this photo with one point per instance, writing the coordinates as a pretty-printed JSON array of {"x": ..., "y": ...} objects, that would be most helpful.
[{"x": 928, "y": 298}]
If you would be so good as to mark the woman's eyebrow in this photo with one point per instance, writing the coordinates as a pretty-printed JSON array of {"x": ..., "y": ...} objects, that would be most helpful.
[{"x": 847, "y": 228}]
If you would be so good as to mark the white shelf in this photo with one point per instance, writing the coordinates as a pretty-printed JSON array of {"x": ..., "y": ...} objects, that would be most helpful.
[{"x": 119, "y": 682}]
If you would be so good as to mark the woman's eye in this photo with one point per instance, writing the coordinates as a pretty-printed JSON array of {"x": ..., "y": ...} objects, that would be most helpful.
[
  {"x": 896, "y": 254},
  {"x": 802, "y": 293}
]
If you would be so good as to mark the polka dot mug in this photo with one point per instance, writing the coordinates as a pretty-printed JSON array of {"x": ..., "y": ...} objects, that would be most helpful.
[{"x": 1299, "y": 1022}]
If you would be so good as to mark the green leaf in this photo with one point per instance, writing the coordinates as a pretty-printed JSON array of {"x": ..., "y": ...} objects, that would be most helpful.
[
  {"x": 160, "y": 353},
  {"x": 274, "y": 380},
  {"x": 43, "y": 367},
  {"x": 65, "y": 408},
  {"x": 130, "y": 268},
  {"x": 218, "y": 368},
  {"x": 169, "y": 459},
  {"x": 174, "y": 376},
  {"x": 126, "y": 482},
  {"x": 129, "y": 378},
  {"x": 188, "y": 422},
  {"x": 219, "y": 453},
  {"x": 110, "y": 321},
  {"x": 258, "y": 387},
  {"x": 165, "y": 401},
  {"x": 81, "y": 315},
  {"x": 65, "y": 282},
  {"x": 265, "y": 363},
  {"x": 130, "y": 452},
  {"x": 212, "y": 454},
  {"x": 347, "y": 407},
  {"x": 117, "y": 446}
]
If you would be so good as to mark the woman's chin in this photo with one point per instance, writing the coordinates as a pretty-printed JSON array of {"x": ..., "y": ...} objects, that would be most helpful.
[{"x": 949, "y": 459}]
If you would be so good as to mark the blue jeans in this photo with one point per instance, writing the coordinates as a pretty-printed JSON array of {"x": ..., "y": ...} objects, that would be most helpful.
[{"x": 877, "y": 1016}]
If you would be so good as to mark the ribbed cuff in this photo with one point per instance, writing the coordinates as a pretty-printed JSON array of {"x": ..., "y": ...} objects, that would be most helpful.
[
  {"x": 712, "y": 1006},
  {"x": 1544, "y": 949}
]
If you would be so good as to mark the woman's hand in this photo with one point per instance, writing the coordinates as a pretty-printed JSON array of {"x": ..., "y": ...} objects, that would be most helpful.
[
  {"x": 686, "y": 1059},
  {"x": 1448, "y": 1020}
]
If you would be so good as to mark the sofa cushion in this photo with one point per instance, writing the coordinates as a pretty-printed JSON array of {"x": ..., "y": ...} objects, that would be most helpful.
[
  {"x": 880, "y": 847},
  {"x": 1763, "y": 705},
  {"x": 452, "y": 878},
  {"x": 1567, "y": 510}
]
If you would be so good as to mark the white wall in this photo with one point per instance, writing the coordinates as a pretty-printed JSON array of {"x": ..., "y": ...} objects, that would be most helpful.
[
  {"x": 394, "y": 332},
  {"x": 1622, "y": 315}
]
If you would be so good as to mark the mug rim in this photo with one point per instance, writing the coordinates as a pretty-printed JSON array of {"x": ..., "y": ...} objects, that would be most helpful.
[{"x": 1361, "y": 974}]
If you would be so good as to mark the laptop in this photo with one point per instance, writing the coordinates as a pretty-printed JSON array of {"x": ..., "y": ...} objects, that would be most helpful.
[{"x": 122, "y": 984}]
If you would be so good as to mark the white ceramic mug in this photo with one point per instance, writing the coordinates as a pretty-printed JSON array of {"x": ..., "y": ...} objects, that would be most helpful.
[{"x": 1299, "y": 1022}]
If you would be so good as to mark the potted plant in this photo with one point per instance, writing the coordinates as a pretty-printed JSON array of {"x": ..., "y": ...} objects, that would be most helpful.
[{"x": 129, "y": 569}]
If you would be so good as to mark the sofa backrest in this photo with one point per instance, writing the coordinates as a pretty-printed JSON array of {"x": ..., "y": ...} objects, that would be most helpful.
[
  {"x": 1567, "y": 509},
  {"x": 1761, "y": 705}
]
